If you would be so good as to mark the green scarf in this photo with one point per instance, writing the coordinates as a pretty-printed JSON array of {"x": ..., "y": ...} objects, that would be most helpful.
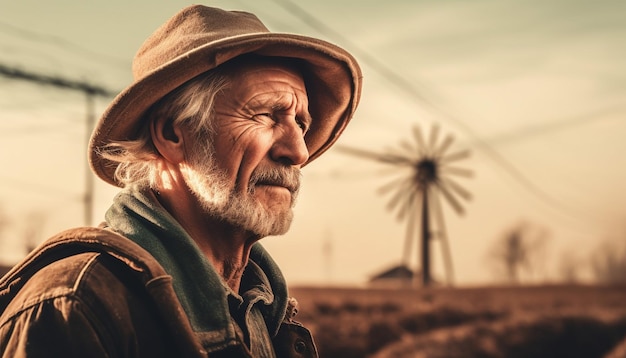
[{"x": 137, "y": 214}]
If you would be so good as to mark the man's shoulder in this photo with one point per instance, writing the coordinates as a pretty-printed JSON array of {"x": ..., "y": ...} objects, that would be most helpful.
[
  {"x": 59, "y": 278},
  {"x": 83, "y": 287},
  {"x": 86, "y": 279},
  {"x": 87, "y": 265},
  {"x": 77, "y": 241}
]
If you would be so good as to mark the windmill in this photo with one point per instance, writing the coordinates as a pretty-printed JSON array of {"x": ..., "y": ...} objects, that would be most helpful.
[{"x": 426, "y": 172}]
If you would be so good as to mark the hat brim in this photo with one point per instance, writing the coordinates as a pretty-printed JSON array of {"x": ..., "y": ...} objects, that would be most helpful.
[{"x": 333, "y": 86}]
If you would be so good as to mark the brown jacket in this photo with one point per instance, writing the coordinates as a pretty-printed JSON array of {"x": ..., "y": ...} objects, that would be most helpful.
[{"x": 92, "y": 293}]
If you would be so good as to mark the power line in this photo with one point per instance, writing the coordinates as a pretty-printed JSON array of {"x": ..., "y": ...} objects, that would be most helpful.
[
  {"x": 546, "y": 127},
  {"x": 47, "y": 39},
  {"x": 372, "y": 61},
  {"x": 60, "y": 82},
  {"x": 410, "y": 88}
]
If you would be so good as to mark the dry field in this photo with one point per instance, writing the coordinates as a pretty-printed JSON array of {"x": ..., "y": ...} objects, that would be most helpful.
[{"x": 536, "y": 321}]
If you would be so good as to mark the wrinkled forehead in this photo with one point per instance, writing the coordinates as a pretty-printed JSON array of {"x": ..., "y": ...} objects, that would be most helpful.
[{"x": 280, "y": 83}]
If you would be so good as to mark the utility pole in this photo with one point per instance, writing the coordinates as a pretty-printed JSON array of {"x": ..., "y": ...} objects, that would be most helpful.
[
  {"x": 89, "y": 192},
  {"x": 91, "y": 92}
]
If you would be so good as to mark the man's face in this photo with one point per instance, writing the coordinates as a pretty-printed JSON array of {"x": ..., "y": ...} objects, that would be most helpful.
[{"x": 253, "y": 175}]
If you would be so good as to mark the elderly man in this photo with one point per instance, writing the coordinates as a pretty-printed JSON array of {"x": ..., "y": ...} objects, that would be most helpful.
[{"x": 207, "y": 144}]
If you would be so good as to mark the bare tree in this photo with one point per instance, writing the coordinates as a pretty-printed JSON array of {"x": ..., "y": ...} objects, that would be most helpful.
[
  {"x": 518, "y": 253},
  {"x": 570, "y": 266},
  {"x": 608, "y": 262}
]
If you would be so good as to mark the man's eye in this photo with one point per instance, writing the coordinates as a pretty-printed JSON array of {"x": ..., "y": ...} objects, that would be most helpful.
[
  {"x": 263, "y": 116},
  {"x": 303, "y": 126}
]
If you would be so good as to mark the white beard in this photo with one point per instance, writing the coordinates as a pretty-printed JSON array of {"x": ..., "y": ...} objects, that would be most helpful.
[{"x": 211, "y": 188}]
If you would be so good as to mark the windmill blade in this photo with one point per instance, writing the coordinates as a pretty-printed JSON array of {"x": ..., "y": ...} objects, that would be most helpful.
[
  {"x": 443, "y": 238},
  {"x": 434, "y": 137},
  {"x": 405, "y": 151},
  {"x": 359, "y": 152},
  {"x": 384, "y": 158},
  {"x": 409, "y": 148},
  {"x": 447, "y": 142},
  {"x": 456, "y": 156},
  {"x": 393, "y": 170},
  {"x": 408, "y": 203},
  {"x": 393, "y": 202},
  {"x": 394, "y": 184},
  {"x": 456, "y": 205},
  {"x": 421, "y": 144},
  {"x": 458, "y": 171},
  {"x": 396, "y": 159},
  {"x": 458, "y": 189}
]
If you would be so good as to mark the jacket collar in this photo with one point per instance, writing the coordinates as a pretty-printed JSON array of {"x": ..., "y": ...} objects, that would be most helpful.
[{"x": 137, "y": 214}]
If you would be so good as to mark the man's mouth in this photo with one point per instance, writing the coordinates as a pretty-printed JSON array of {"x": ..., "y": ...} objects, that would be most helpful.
[{"x": 280, "y": 184}]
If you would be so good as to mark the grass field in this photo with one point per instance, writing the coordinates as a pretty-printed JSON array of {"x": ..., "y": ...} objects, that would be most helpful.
[{"x": 524, "y": 321}]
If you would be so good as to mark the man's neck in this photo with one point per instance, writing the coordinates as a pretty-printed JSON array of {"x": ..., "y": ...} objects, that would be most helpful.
[
  {"x": 226, "y": 247},
  {"x": 228, "y": 253}
]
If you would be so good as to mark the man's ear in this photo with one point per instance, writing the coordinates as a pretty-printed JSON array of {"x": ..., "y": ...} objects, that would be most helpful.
[{"x": 168, "y": 139}]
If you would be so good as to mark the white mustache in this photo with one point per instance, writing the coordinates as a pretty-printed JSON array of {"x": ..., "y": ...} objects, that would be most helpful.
[{"x": 287, "y": 177}]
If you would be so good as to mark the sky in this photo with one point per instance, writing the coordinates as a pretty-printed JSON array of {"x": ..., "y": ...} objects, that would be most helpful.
[{"x": 535, "y": 90}]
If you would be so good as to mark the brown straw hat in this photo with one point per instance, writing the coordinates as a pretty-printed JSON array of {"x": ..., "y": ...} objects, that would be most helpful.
[{"x": 200, "y": 38}]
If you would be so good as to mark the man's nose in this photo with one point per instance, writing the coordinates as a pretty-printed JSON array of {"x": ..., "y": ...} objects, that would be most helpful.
[{"x": 290, "y": 147}]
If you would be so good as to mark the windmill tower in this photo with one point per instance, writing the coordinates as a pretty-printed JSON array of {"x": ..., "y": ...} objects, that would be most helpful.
[{"x": 426, "y": 172}]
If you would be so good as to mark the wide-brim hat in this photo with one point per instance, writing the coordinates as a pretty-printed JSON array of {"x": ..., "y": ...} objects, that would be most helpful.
[{"x": 200, "y": 38}]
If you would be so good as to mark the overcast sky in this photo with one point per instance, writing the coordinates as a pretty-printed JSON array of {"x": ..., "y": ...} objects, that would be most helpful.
[{"x": 535, "y": 89}]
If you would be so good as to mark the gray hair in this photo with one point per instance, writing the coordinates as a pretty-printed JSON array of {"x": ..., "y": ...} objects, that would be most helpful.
[{"x": 190, "y": 105}]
